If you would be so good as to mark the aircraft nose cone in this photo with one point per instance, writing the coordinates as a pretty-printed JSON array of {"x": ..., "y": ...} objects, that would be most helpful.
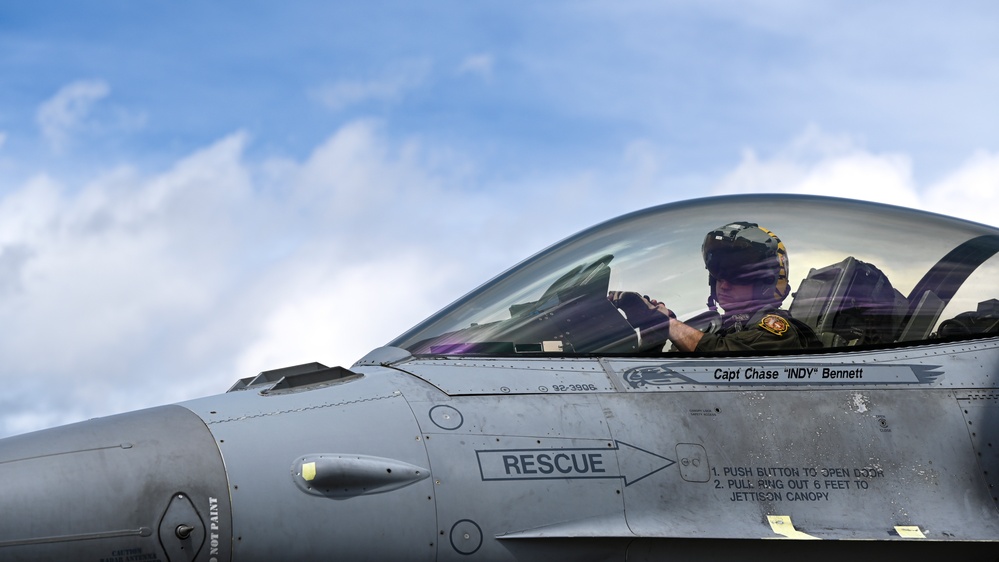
[{"x": 148, "y": 485}]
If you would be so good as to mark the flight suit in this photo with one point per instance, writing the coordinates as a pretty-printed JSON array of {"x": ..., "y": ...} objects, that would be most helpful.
[{"x": 769, "y": 329}]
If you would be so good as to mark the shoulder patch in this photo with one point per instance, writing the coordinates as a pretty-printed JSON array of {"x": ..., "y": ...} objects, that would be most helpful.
[{"x": 774, "y": 324}]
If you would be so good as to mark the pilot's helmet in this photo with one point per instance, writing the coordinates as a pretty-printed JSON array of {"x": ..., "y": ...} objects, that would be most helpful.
[{"x": 747, "y": 254}]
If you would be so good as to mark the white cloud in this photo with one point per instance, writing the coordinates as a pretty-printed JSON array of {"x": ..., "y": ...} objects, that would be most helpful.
[
  {"x": 333, "y": 310},
  {"x": 390, "y": 87},
  {"x": 971, "y": 191},
  {"x": 67, "y": 111},
  {"x": 479, "y": 64},
  {"x": 96, "y": 279},
  {"x": 157, "y": 288},
  {"x": 820, "y": 164}
]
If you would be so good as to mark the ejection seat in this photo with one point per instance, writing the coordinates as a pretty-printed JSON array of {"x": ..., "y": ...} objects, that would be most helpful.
[
  {"x": 850, "y": 303},
  {"x": 983, "y": 320}
]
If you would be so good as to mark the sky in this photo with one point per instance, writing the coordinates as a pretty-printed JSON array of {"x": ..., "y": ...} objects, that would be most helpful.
[{"x": 194, "y": 192}]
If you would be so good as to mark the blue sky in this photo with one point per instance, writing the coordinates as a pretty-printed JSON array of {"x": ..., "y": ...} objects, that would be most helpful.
[
  {"x": 533, "y": 86},
  {"x": 191, "y": 192}
]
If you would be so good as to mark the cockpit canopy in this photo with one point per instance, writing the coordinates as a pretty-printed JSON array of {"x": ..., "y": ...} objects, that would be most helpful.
[{"x": 860, "y": 274}]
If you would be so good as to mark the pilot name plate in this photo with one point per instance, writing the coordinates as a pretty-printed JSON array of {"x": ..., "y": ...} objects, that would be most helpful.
[{"x": 734, "y": 373}]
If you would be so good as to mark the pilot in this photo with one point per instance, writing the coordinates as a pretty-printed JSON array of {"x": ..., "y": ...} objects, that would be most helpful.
[{"x": 748, "y": 276}]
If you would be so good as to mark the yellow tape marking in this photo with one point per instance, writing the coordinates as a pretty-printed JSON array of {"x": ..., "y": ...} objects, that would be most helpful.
[
  {"x": 909, "y": 532},
  {"x": 781, "y": 524},
  {"x": 309, "y": 471}
]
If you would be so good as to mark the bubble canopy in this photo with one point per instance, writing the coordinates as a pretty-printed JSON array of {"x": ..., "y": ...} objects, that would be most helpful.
[{"x": 861, "y": 275}]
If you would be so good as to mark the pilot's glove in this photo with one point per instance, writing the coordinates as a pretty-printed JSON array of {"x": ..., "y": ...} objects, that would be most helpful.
[
  {"x": 640, "y": 310},
  {"x": 649, "y": 316}
]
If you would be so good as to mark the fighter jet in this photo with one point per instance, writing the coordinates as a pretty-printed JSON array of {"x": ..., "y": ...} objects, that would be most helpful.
[{"x": 556, "y": 413}]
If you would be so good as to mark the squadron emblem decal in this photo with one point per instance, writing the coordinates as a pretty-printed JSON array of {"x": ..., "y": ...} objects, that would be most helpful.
[
  {"x": 774, "y": 324},
  {"x": 653, "y": 375}
]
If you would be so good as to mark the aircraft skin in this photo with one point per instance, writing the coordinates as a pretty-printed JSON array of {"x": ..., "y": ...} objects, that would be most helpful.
[{"x": 570, "y": 440}]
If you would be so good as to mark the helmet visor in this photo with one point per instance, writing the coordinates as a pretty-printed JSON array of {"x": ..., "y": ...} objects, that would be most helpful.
[{"x": 744, "y": 256}]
